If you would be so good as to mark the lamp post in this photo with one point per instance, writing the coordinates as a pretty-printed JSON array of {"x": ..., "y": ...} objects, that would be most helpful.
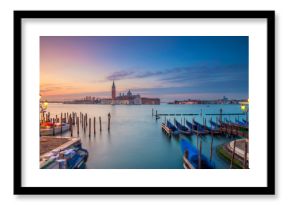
[
  {"x": 245, "y": 108},
  {"x": 43, "y": 106}
]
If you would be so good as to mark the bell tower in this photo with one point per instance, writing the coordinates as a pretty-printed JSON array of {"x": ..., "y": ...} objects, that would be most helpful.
[{"x": 113, "y": 93}]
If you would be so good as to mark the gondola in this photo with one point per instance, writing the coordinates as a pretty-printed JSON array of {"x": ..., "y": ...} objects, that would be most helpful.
[
  {"x": 244, "y": 124},
  {"x": 191, "y": 126},
  {"x": 182, "y": 129},
  {"x": 200, "y": 129},
  {"x": 193, "y": 156},
  {"x": 174, "y": 130},
  {"x": 214, "y": 128},
  {"x": 72, "y": 158}
]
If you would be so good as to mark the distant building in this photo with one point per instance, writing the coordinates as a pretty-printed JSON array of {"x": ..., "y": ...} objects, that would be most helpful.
[
  {"x": 106, "y": 101},
  {"x": 150, "y": 101},
  {"x": 128, "y": 99},
  {"x": 225, "y": 100},
  {"x": 123, "y": 99}
]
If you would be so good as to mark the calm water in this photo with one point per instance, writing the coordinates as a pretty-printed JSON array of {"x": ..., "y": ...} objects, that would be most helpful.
[{"x": 136, "y": 140}]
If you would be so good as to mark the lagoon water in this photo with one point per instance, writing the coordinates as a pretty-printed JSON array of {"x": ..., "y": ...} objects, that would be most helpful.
[{"x": 135, "y": 140}]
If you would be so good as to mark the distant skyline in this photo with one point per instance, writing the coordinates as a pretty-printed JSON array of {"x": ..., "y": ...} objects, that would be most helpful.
[{"x": 167, "y": 67}]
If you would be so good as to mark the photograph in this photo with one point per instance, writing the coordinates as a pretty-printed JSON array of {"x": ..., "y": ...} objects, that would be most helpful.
[{"x": 144, "y": 102}]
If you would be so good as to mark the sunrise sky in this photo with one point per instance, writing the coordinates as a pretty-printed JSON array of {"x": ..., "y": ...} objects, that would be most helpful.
[{"x": 171, "y": 68}]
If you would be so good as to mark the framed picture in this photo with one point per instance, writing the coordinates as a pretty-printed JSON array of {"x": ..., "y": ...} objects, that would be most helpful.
[{"x": 144, "y": 102}]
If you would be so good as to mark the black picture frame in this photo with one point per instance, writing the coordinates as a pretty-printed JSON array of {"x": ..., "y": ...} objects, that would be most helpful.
[{"x": 269, "y": 16}]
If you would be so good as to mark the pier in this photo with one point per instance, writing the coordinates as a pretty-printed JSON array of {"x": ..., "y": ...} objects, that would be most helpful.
[
  {"x": 235, "y": 130},
  {"x": 50, "y": 144},
  {"x": 235, "y": 152},
  {"x": 63, "y": 134},
  {"x": 177, "y": 114}
]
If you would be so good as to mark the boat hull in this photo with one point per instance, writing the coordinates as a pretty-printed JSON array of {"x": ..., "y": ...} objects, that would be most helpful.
[{"x": 57, "y": 130}]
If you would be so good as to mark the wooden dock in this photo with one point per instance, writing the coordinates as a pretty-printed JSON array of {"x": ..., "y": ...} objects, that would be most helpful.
[
  {"x": 236, "y": 130},
  {"x": 196, "y": 132},
  {"x": 177, "y": 114},
  {"x": 49, "y": 144},
  {"x": 223, "y": 114}
]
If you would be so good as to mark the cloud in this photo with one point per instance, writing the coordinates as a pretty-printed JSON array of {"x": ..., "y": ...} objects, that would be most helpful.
[
  {"x": 120, "y": 75},
  {"x": 206, "y": 75},
  {"x": 210, "y": 77},
  {"x": 47, "y": 88},
  {"x": 149, "y": 74}
]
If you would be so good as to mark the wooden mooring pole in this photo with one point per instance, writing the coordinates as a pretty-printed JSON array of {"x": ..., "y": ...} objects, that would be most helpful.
[
  {"x": 90, "y": 127},
  {"x": 211, "y": 147},
  {"x": 82, "y": 120},
  {"x": 245, "y": 154},
  {"x": 60, "y": 123},
  {"x": 100, "y": 120},
  {"x": 233, "y": 154},
  {"x": 109, "y": 121},
  {"x": 94, "y": 125},
  {"x": 86, "y": 119},
  {"x": 78, "y": 126},
  {"x": 53, "y": 129},
  {"x": 71, "y": 128},
  {"x": 199, "y": 154}
]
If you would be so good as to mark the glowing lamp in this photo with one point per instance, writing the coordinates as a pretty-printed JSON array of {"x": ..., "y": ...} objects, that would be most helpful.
[
  {"x": 243, "y": 107},
  {"x": 45, "y": 104}
]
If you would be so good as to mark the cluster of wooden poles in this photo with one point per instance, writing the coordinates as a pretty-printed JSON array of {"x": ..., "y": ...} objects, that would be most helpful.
[{"x": 80, "y": 121}]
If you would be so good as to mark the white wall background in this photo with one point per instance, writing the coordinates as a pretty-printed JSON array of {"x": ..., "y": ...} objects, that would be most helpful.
[{"x": 282, "y": 98}]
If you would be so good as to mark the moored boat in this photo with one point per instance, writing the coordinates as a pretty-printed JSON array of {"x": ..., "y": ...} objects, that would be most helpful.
[
  {"x": 241, "y": 123},
  {"x": 49, "y": 128},
  {"x": 192, "y": 157},
  {"x": 199, "y": 129},
  {"x": 214, "y": 128},
  {"x": 174, "y": 130},
  {"x": 182, "y": 129},
  {"x": 191, "y": 126},
  {"x": 71, "y": 158}
]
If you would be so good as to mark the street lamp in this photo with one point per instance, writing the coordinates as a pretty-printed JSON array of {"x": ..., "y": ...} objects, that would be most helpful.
[
  {"x": 245, "y": 108},
  {"x": 43, "y": 106}
]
